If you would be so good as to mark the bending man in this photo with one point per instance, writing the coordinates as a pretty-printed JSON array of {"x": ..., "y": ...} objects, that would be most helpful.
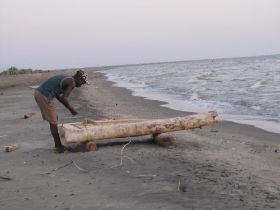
[{"x": 59, "y": 87}]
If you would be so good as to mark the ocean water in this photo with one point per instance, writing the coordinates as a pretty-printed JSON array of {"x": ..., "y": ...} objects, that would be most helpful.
[{"x": 244, "y": 90}]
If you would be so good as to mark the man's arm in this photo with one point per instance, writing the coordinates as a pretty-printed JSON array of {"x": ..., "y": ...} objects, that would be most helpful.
[{"x": 67, "y": 86}]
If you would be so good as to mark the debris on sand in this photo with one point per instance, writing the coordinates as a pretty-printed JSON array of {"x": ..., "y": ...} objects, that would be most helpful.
[
  {"x": 28, "y": 115},
  {"x": 63, "y": 166},
  {"x": 121, "y": 163},
  {"x": 5, "y": 178},
  {"x": 60, "y": 167},
  {"x": 78, "y": 167},
  {"x": 34, "y": 87},
  {"x": 10, "y": 148}
]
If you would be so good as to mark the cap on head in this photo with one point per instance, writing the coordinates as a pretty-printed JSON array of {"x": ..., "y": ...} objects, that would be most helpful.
[{"x": 83, "y": 76}]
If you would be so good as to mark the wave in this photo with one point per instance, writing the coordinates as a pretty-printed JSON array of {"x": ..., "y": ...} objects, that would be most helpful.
[
  {"x": 256, "y": 85},
  {"x": 229, "y": 86}
]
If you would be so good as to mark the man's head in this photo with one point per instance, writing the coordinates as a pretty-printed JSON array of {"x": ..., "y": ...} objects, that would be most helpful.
[{"x": 81, "y": 78}]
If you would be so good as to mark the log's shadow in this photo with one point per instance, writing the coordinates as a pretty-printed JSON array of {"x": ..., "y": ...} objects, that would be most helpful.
[
  {"x": 81, "y": 147},
  {"x": 117, "y": 143}
]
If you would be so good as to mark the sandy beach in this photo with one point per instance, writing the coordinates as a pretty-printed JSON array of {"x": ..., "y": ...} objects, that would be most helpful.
[{"x": 226, "y": 166}]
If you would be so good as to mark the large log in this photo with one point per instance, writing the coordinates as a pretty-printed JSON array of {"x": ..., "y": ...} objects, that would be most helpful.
[{"x": 98, "y": 130}]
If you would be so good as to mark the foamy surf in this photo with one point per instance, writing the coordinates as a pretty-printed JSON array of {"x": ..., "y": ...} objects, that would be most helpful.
[{"x": 242, "y": 90}]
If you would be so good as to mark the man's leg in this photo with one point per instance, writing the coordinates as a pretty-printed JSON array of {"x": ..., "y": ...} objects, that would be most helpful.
[{"x": 56, "y": 138}]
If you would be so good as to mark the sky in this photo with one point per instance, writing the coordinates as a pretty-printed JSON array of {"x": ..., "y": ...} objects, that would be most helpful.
[{"x": 56, "y": 34}]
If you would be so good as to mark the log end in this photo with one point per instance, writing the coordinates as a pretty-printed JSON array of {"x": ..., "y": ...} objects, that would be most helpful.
[
  {"x": 213, "y": 114},
  {"x": 164, "y": 140}
]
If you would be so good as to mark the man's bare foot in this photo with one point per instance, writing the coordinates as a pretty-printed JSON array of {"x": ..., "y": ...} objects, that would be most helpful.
[
  {"x": 60, "y": 149},
  {"x": 63, "y": 149}
]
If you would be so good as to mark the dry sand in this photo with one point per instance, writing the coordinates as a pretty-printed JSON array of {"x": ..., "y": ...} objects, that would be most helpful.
[{"x": 226, "y": 166}]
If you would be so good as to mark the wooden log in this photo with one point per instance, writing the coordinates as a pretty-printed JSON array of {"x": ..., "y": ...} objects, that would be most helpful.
[
  {"x": 109, "y": 122},
  {"x": 83, "y": 132}
]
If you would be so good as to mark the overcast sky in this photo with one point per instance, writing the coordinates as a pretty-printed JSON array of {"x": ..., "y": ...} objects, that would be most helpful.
[{"x": 53, "y": 34}]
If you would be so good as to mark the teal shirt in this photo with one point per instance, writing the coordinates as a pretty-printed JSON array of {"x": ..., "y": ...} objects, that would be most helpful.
[{"x": 52, "y": 86}]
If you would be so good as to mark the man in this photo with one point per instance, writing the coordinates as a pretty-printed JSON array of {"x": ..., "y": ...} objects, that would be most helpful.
[{"x": 59, "y": 87}]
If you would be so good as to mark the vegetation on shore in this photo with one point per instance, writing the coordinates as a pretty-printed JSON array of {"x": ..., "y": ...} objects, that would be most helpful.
[{"x": 14, "y": 71}]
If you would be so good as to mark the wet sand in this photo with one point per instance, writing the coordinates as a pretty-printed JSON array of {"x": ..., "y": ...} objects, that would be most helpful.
[{"x": 226, "y": 166}]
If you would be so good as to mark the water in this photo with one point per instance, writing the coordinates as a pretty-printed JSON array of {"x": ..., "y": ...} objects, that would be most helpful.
[{"x": 244, "y": 90}]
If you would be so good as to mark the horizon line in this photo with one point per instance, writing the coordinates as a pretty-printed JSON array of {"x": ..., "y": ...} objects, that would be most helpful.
[{"x": 149, "y": 63}]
